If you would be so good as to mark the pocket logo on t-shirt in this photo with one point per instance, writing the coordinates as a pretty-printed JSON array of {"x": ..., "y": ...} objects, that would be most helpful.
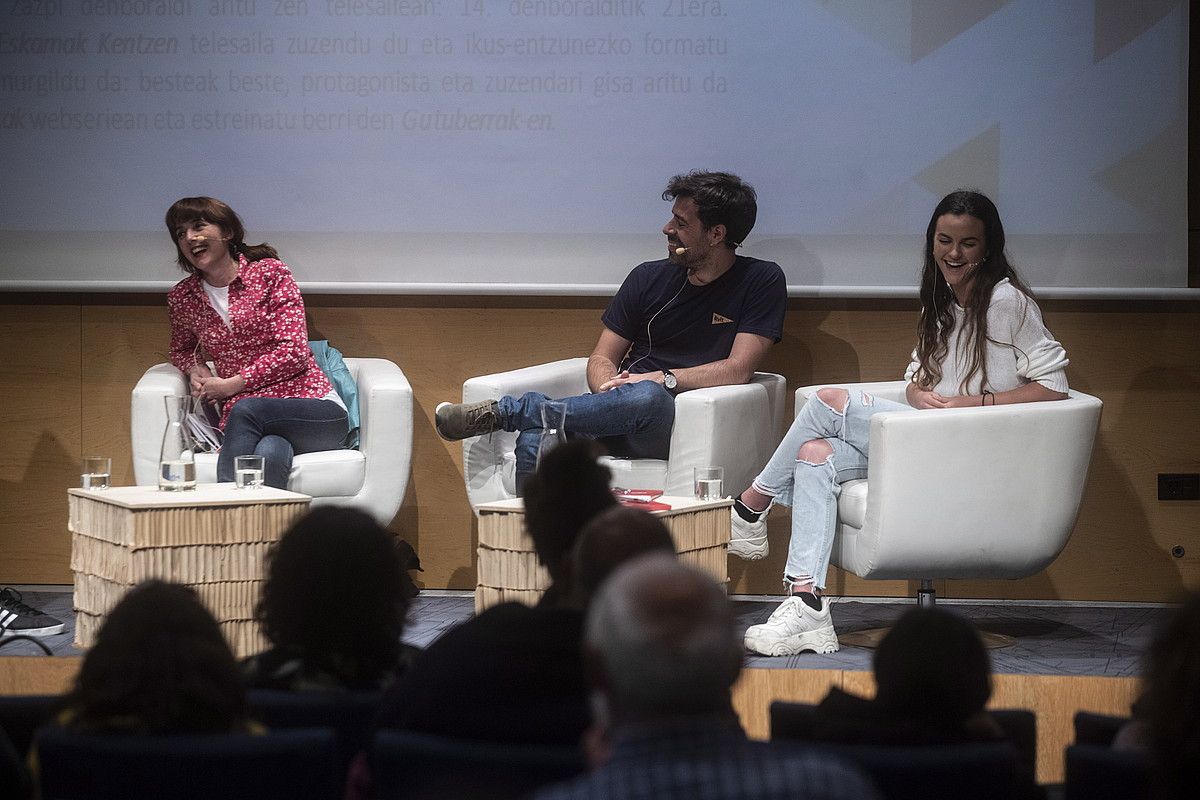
[{"x": 719, "y": 320}]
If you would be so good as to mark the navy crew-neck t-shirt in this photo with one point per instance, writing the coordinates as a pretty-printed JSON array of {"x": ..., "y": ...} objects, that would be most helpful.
[{"x": 675, "y": 324}]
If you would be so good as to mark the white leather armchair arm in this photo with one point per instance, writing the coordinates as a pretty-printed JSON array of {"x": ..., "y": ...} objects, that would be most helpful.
[
  {"x": 732, "y": 426},
  {"x": 489, "y": 467},
  {"x": 148, "y": 416},
  {"x": 385, "y": 409},
  {"x": 989, "y": 492},
  {"x": 384, "y": 457},
  {"x": 736, "y": 427}
]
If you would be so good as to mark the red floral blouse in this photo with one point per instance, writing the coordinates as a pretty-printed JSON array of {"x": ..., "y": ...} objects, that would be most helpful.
[{"x": 267, "y": 341}]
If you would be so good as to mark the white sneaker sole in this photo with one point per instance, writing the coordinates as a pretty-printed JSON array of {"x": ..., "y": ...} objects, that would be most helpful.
[
  {"x": 49, "y": 630},
  {"x": 438, "y": 430},
  {"x": 822, "y": 641},
  {"x": 750, "y": 549}
]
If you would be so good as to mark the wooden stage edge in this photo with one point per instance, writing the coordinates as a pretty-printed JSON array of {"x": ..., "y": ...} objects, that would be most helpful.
[{"x": 1055, "y": 698}]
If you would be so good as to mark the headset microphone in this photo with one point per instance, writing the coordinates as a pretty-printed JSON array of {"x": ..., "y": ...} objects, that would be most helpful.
[{"x": 680, "y": 251}]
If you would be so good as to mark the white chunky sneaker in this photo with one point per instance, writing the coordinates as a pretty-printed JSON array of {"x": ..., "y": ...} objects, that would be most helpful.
[
  {"x": 748, "y": 540},
  {"x": 793, "y": 628}
]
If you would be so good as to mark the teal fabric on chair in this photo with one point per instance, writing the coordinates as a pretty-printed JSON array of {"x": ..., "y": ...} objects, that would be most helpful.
[{"x": 329, "y": 359}]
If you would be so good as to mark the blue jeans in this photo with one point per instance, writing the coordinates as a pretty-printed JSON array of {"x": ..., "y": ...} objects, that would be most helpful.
[
  {"x": 633, "y": 420},
  {"x": 812, "y": 489},
  {"x": 276, "y": 429}
]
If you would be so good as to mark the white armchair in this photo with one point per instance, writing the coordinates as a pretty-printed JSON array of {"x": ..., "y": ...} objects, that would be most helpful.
[
  {"x": 374, "y": 477},
  {"x": 964, "y": 492},
  {"x": 736, "y": 427}
]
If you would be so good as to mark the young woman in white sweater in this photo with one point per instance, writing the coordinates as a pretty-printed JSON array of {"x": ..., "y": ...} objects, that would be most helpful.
[{"x": 980, "y": 342}]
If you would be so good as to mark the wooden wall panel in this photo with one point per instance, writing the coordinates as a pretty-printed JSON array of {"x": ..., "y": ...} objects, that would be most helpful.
[
  {"x": 1055, "y": 700},
  {"x": 40, "y": 443},
  {"x": 32, "y": 675},
  {"x": 756, "y": 689},
  {"x": 1146, "y": 369},
  {"x": 1143, "y": 361},
  {"x": 119, "y": 343}
]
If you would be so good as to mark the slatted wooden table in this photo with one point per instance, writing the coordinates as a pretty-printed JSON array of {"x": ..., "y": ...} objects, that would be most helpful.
[
  {"x": 508, "y": 569},
  {"x": 213, "y": 538}
]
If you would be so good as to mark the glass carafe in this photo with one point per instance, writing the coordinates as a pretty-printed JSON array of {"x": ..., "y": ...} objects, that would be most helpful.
[
  {"x": 177, "y": 457},
  {"x": 554, "y": 427}
]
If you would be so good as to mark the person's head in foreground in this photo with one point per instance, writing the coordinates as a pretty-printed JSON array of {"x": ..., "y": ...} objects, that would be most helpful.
[
  {"x": 568, "y": 488},
  {"x": 933, "y": 667},
  {"x": 336, "y": 596},
  {"x": 661, "y": 643},
  {"x": 1171, "y": 699},
  {"x": 159, "y": 665},
  {"x": 613, "y": 537}
]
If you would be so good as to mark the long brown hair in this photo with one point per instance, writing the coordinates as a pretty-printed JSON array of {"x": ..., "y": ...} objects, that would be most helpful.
[
  {"x": 938, "y": 301},
  {"x": 189, "y": 209}
]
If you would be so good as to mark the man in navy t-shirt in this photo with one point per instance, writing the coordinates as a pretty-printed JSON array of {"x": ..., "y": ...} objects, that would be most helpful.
[{"x": 704, "y": 316}]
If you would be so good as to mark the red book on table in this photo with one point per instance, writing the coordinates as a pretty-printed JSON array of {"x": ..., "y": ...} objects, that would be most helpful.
[{"x": 645, "y": 499}]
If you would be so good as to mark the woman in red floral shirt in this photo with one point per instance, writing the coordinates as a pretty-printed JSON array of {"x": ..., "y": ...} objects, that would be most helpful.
[{"x": 240, "y": 308}]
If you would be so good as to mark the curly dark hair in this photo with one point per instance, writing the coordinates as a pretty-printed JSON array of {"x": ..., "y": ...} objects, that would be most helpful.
[
  {"x": 336, "y": 592},
  {"x": 159, "y": 665},
  {"x": 721, "y": 198}
]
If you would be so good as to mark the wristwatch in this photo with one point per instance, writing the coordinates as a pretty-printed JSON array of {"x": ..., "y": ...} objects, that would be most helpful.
[{"x": 669, "y": 380}]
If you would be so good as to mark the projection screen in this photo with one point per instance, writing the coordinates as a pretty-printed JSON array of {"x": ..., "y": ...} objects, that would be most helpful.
[{"x": 521, "y": 146}]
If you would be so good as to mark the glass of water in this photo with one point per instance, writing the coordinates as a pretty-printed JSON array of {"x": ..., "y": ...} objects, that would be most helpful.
[
  {"x": 97, "y": 472},
  {"x": 710, "y": 483},
  {"x": 248, "y": 472}
]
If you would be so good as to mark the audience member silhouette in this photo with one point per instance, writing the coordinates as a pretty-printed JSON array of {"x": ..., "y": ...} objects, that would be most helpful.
[
  {"x": 333, "y": 607},
  {"x": 159, "y": 666},
  {"x": 663, "y": 651},
  {"x": 613, "y": 537},
  {"x": 568, "y": 488},
  {"x": 933, "y": 678},
  {"x": 1167, "y": 715},
  {"x": 514, "y": 674}
]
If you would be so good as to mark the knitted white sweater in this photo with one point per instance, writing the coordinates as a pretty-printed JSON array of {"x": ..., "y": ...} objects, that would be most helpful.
[{"x": 1026, "y": 350}]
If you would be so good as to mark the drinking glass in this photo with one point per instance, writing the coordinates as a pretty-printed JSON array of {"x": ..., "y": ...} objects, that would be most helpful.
[
  {"x": 248, "y": 472},
  {"x": 709, "y": 483},
  {"x": 96, "y": 472}
]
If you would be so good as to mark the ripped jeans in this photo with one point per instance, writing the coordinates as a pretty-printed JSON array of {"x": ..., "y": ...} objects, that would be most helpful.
[{"x": 812, "y": 489}]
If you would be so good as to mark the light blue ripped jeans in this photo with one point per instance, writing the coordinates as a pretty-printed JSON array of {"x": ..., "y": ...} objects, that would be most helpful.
[{"x": 812, "y": 489}]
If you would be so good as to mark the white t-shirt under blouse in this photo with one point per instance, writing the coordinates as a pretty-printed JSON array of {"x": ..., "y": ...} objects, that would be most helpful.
[
  {"x": 1019, "y": 349},
  {"x": 218, "y": 298}
]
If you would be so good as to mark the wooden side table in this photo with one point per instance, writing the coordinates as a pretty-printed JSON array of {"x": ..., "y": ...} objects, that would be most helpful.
[
  {"x": 213, "y": 538},
  {"x": 508, "y": 569}
]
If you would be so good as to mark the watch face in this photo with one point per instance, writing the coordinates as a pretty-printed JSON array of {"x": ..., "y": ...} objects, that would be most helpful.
[{"x": 669, "y": 380}]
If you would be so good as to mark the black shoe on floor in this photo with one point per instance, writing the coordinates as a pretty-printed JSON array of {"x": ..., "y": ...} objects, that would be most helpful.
[{"x": 18, "y": 618}]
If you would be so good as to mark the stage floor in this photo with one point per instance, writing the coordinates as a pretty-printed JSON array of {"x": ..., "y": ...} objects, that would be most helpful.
[{"x": 1104, "y": 640}]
